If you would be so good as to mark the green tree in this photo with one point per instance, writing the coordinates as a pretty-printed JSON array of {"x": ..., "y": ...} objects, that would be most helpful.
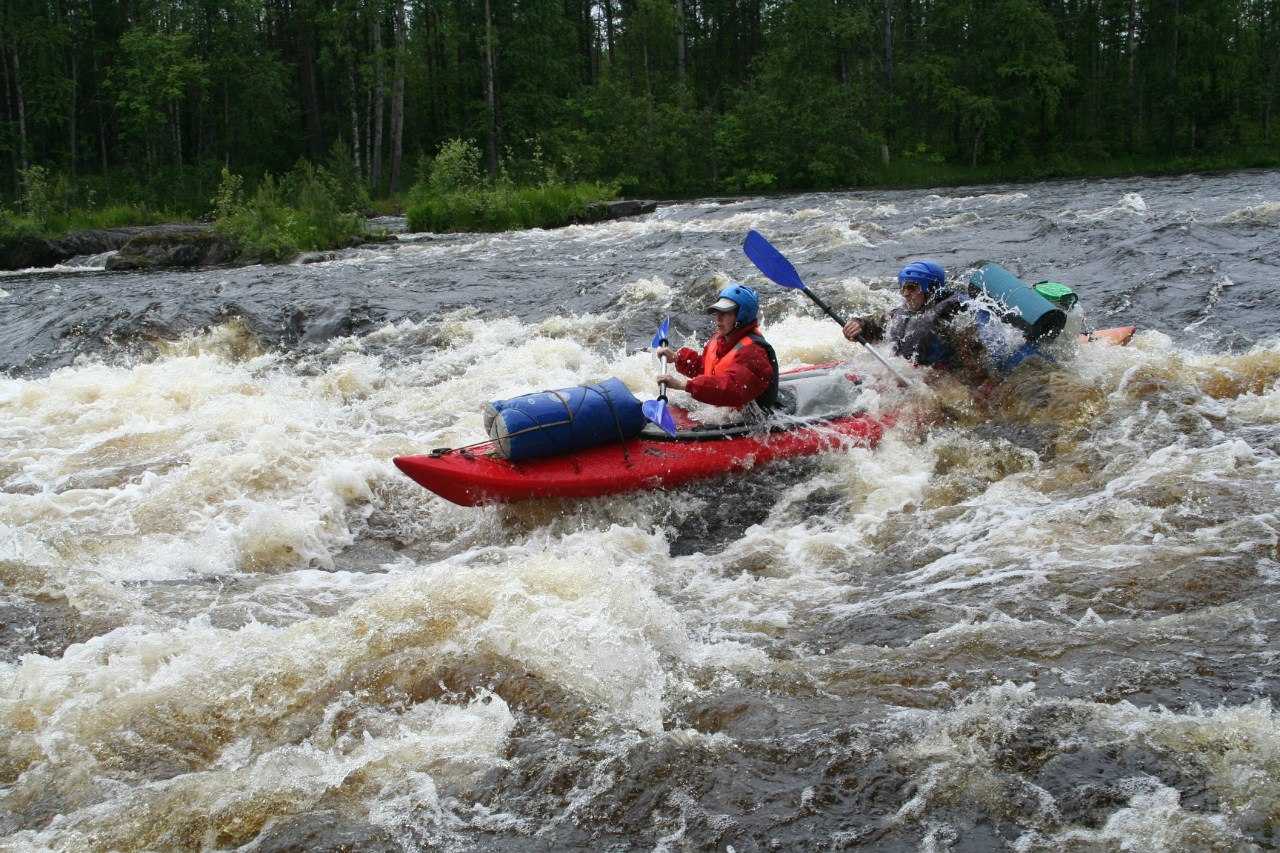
[{"x": 150, "y": 82}]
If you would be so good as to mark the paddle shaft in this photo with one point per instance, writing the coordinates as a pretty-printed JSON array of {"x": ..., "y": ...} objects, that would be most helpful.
[
  {"x": 662, "y": 386},
  {"x": 782, "y": 272},
  {"x": 824, "y": 306},
  {"x": 834, "y": 316}
]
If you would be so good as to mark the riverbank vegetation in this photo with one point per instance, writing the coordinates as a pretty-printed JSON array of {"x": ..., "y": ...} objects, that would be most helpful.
[
  {"x": 49, "y": 206},
  {"x": 454, "y": 195},
  {"x": 310, "y": 207},
  {"x": 138, "y": 109},
  {"x": 307, "y": 208}
]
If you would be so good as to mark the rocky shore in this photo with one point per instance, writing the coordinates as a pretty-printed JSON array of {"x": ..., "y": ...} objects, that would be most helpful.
[
  {"x": 138, "y": 247},
  {"x": 185, "y": 246}
]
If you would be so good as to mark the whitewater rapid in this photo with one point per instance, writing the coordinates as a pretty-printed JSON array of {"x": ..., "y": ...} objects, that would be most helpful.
[{"x": 1043, "y": 622}]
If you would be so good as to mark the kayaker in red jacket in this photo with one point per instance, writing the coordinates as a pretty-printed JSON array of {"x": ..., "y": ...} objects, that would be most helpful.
[{"x": 737, "y": 366}]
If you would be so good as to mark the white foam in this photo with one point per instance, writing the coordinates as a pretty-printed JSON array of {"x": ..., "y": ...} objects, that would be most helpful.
[
  {"x": 1128, "y": 205},
  {"x": 1267, "y": 213},
  {"x": 940, "y": 224},
  {"x": 648, "y": 290},
  {"x": 933, "y": 202},
  {"x": 206, "y": 501},
  {"x": 395, "y": 773},
  {"x": 956, "y": 754}
]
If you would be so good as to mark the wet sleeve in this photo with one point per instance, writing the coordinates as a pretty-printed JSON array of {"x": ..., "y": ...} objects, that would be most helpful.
[
  {"x": 872, "y": 329},
  {"x": 746, "y": 379},
  {"x": 688, "y": 362}
]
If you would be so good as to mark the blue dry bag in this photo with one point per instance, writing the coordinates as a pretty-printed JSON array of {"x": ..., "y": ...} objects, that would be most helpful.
[
  {"x": 550, "y": 423},
  {"x": 1026, "y": 310}
]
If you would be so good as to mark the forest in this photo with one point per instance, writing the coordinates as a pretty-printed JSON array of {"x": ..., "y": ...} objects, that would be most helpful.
[{"x": 148, "y": 101}]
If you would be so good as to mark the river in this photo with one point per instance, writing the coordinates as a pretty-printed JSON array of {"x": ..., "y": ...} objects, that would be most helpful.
[{"x": 1047, "y": 623}]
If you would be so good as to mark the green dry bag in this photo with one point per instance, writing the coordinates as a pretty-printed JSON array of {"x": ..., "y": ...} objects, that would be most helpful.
[{"x": 1057, "y": 293}]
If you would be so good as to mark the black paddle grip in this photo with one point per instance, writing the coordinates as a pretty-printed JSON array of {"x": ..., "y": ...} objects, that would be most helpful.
[{"x": 662, "y": 386}]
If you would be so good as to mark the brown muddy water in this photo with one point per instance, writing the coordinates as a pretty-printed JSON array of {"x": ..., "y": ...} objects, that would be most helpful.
[{"x": 1045, "y": 623}]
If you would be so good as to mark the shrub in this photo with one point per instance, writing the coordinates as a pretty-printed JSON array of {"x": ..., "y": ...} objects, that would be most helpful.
[
  {"x": 36, "y": 195},
  {"x": 349, "y": 189},
  {"x": 451, "y": 195},
  {"x": 261, "y": 224},
  {"x": 751, "y": 181},
  {"x": 455, "y": 167},
  {"x": 504, "y": 207},
  {"x": 230, "y": 195},
  {"x": 300, "y": 212},
  {"x": 14, "y": 226}
]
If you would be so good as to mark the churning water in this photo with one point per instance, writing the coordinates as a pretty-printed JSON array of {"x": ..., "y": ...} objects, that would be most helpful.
[{"x": 1046, "y": 621}]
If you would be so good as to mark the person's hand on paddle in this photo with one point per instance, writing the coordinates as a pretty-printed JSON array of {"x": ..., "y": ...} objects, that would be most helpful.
[
  {"x": 782, "y": 272},
  {"x": 666, "y": 353},
  {"x": 673, "y": 380},
  {"x": 852, "y": 329}
]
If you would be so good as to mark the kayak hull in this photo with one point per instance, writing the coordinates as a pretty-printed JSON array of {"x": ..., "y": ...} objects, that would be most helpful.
[
  {"x": 475, "y": 477},
  {"x": 1118, "y": 336}
]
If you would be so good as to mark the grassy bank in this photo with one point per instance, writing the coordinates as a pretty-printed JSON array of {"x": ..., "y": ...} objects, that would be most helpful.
[
  {"x": 505, "y": 208},
  {"x": 323, "y": 207},
  {"x": 50, "y": 205},
  {"x": 307, "y": 208},
  {"x": 14, "y": 225},
  {"x": 452, "y": 195}
]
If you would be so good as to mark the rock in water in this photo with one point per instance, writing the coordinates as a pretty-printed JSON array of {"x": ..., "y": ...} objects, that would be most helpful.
[
  {"x": 174, "y": 246},
  {"x": 29, "y": 251},
  {"x": 604, "y": 211},
  {"x": 25, "y": 251}
]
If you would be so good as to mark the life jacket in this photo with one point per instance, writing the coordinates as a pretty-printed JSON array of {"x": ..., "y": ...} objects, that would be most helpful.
[
  {"x": 713, "y": 364},
  {"x": 916, "y": 336}
]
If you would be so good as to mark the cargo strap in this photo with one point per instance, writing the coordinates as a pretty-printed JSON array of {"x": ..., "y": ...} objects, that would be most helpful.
[
  {"x": 537, "y": 427},
  {"x": 464, "y": 450},
  {"x": 617, "y": 423}
]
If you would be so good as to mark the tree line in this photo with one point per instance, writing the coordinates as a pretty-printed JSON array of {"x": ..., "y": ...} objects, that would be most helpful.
[{"x": 665, "y": 97}]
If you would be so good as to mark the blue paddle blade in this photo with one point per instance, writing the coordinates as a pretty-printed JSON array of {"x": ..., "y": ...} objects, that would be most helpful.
[
  {"x": 771, "y": 262},
  {"x": 661, "y": 336},
  {"x": 655, "y": 411}
]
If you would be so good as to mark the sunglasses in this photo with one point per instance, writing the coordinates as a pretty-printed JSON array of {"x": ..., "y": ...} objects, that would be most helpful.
[{"x": 909, "y": 287}]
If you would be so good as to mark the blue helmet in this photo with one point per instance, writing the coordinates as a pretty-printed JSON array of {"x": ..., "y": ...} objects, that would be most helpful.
[
  {"x": 927, "y": 274},
  {"x": 741, "y": 297}
]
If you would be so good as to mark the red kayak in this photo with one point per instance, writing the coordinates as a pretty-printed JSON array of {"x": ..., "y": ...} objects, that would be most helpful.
[{"x": 475, "y": 476}]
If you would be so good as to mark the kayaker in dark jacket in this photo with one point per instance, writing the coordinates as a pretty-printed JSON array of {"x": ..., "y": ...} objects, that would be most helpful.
[
  {"x": 922, "y": 328},
  {"x": 737, "y": 366}
]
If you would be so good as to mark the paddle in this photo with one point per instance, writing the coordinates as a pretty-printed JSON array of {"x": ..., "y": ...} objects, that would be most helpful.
[
  {"x": 655, "y": 411},
  {"x": 782, "y": 272}
]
